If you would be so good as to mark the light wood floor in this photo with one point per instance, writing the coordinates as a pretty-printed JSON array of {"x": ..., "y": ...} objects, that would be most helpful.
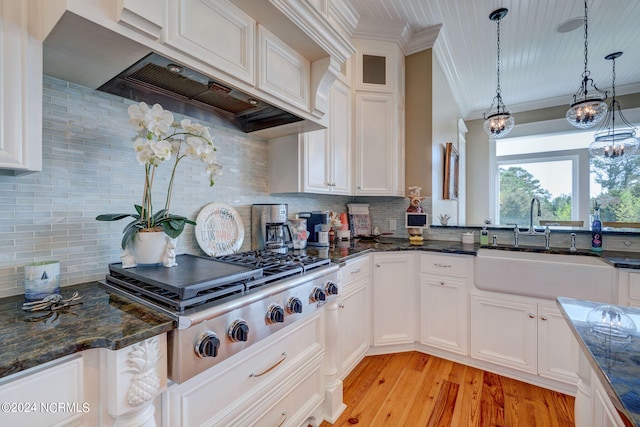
[{"x": 415, "y": 389}]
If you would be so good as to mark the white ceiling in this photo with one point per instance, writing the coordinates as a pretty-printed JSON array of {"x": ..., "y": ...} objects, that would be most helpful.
[{"x": 539, "y": 66}]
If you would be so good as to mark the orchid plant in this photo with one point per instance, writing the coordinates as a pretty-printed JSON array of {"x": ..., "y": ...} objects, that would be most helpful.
[{"x": 159, "y": 139}]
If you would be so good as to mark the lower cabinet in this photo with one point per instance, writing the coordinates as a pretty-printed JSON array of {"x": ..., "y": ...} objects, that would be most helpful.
[
  {"x": 394, "y": 298},
  {"x": 525, "y": 335},
  {"x": 32, "y": 397},
  {"x": 443, "y": 313},
  {"x": 353, "y": 333},
  {"x": 603, "y": 413},
  {"x": 279, "y": 381}
]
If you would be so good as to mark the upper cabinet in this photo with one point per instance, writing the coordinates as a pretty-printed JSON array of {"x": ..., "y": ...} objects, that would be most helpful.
[
  {"x": 20, "y": 90},
  {"x": 321, "y": 158},
  {"x": 282, "y": 71},
  {"x": 379, "y": 118},
  {"x": 214, "y": 32}
]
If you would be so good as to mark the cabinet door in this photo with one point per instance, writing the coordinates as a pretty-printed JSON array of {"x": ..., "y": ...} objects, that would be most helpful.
[
  {"x": 393, "y": 299},
  {"x": 340, "y": 135},
  {"x": 557, "y": 347},
  {"x": 282, "y": 71},
  {"x": 604, "y": 413},
  {"x": 443, "y": 313},
  {"x": 376, "y": 164},
  {"x": 316, "y": 162},
  {"x": 214, "y": 32},
  {"x": 353, "y": 332},
  {"x": 20, "y": 90},
  {"x": 504, "y": 332}
]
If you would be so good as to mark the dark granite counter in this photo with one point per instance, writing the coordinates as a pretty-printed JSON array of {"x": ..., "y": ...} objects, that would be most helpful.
[
  {"x": 345, "y": 251},
  {"x": 101, "y": 321},
  {"x": 612, "y": 351}
]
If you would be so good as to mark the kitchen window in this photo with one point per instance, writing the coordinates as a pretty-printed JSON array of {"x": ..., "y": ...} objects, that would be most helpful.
[{"x": 558, "y": 170}]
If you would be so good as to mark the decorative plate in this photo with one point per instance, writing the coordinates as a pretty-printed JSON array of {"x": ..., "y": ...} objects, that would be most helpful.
[{"x": 219, "y": 229}]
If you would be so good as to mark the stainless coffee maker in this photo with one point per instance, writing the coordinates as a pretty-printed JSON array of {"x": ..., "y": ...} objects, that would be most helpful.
[{"x": 269, "y": 227}]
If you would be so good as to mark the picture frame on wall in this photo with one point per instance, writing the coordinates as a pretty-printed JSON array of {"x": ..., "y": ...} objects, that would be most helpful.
[{"x": 451, "y": 172}]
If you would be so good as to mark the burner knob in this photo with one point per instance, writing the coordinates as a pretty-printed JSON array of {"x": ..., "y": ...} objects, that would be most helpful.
[
  {"x": 317, "y": 295},
  {"x": 238, "y": 330},
  {"x": 275, "y": 314},
  {"x": 331, "y": 288},
  {"x": 294, "y": 305},
  {"x": 207, "y": 345}
]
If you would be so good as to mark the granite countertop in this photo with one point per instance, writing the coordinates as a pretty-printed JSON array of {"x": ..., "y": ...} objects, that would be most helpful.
[
  {"x": 101, "y": 321},
  {"x": 614, "y": 353},
  {"x": 345, "y": 251}
]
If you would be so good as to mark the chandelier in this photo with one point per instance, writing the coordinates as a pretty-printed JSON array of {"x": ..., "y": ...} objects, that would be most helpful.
[
  {"x": 498, "y": 122},
  {"x": 611, "y": 144},
  {"x": 588, "y": 107}
]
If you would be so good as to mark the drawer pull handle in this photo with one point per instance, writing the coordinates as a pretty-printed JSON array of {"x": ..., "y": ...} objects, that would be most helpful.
[
  {"x": 284, "y": 356},
  {"x": 341, "y": 305},
  {"x": 437, "y": 264},
  {"x": 532, "y": 316},
  {"x": 284, "y": 418},
  {"x": 543, "y": 318},
  {"x": 355, "y": 271},
  {"x": 441, "y": 283}
]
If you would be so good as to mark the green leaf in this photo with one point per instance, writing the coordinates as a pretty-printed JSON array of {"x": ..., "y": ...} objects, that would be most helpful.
[
  {"x": 114, "y": 217},
  {"x": 173, "y": 230}
]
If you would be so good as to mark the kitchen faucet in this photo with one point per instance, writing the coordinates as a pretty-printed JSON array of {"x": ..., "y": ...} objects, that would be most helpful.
[{"x": 532, "y": 230}]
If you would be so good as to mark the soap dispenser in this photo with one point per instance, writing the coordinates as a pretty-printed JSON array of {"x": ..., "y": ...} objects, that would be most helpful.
[
  {"x": 484, "y": 236},
  {"x": 596, "y": 230}
]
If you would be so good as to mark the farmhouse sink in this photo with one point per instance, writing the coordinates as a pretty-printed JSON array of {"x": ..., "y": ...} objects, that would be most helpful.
[{"x": 543, "y": 275}]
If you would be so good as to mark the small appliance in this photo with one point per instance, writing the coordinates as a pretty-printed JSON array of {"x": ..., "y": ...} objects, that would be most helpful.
[
  {"x": 317, "y": 226},
  {"x": 269, "y": 227}
]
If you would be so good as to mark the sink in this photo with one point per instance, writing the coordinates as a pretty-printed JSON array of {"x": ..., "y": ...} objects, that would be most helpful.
[{"x": 543, "y": 275}]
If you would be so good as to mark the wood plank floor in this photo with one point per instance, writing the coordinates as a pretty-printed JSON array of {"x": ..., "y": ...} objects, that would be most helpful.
[{"x": 415, "y": 389}]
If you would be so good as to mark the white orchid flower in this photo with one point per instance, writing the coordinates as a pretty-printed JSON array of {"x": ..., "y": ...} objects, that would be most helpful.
[
  {"x": 138, "y": 116},
  {"x": 144, "y": 154},
  {"x": 161, "y": 150}
]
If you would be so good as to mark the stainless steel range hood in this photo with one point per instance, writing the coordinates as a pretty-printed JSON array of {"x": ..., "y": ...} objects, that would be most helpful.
[
  {"x": 155, "y": 79},
  {"x": 82, "y": 52}
]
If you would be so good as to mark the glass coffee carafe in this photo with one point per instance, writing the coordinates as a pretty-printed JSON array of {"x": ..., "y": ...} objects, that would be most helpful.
[{"x": 276, "y": 237}]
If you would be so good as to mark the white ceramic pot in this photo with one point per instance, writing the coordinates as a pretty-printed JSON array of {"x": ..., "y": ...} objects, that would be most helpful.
[{"x": 153, "y": 248}]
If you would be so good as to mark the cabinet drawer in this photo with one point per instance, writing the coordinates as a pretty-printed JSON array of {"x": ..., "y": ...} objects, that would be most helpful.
[
  {"x": 219, "y": 391},
  {"x": 452, "y": 265},
  {"x": 634, "y": 286},
  {"x": 355, "y": 270},
  {"x": 303, "y": 392}
]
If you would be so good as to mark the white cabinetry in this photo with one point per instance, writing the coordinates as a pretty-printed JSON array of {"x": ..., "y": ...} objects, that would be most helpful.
[
  {"x": 379, "y": 119},
  {"x": 317, "y": 161},
  {"x": 32, "y": 396},
  {"x": 20, "y": 89},
  {"x": 629, "y": 287},
  {"x": 394, "y": 302},
  {"x": 279, "y": 380},
  {"x": 523, "y": 334},
  {"x": 327, "y": 152},
  {"x": 213, "y": 32},
  {"x": 443, "y": 301},
  {"x": 353, "y": 303},
  {"x": 282, "y": 71},
  {"x": 604, "y": 413}
]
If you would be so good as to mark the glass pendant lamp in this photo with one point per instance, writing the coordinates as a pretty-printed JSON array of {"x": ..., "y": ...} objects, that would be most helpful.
[
  {"x": 588, "y": 107},
  {"x": 611, "y": 144},
  {"x": 498, "y": 122}
]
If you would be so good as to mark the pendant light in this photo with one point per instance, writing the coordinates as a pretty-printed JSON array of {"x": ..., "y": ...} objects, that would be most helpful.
[
  {"x": 499, "y": 122},
  {"x": 588, "y": 107},
  {"x": 611, "y": 144}
]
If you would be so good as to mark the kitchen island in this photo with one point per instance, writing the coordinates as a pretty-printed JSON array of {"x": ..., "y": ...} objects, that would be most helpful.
[{"x": 610, "y": 342}]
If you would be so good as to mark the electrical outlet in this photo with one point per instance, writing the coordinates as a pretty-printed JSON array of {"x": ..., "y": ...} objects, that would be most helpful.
[{"x": 392, "y": 225}]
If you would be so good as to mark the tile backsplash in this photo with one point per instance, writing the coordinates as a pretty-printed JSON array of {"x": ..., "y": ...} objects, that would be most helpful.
[{"x": 89, "y": 168}]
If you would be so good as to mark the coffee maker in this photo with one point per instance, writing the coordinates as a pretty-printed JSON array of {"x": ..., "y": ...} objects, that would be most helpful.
[
  {"x": 269, "y": 229},
  {"x": 317, "y": 227}
]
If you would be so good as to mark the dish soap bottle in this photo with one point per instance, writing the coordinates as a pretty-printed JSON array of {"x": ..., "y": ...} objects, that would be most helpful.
[
  {"x": 596, "y": 230},
  {"x": 484, "y": 236}
]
